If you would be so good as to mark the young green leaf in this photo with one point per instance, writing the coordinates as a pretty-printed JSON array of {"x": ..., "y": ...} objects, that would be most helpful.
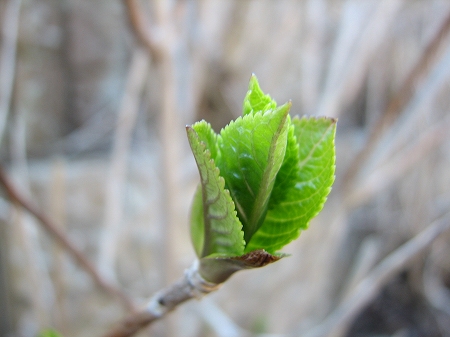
[
  {"x": 252, "y": 150},
  {"x": 197, "y": 222},
  {"x": 219, "y": 227},
  {"x": 255, "y": 100},
  {"x": 207, "y": 135},
  {"x": 274, "y": 171},
  {"x": 283, "y": 222}
]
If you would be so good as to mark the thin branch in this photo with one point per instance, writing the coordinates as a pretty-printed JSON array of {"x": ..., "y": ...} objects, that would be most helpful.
[
  {"x": 58, "y": 212},
  {"x": 9, "y": 33},
  {"x": 394, "y": 169},
  {"x": 338, "y": 321},
  {"x": 63, "y": 240},
  {"x": 141, "y": 29},
  {"x": 192, "y": 285},
  {"x": 349, "y": 63},
  {"x": 400, "y": 99},
  {"x": 161, "y": 40},
  {"x": 41, "y": 292},
  {"x": 168, "y": 120},
  {"x": 126, "y": 120}
]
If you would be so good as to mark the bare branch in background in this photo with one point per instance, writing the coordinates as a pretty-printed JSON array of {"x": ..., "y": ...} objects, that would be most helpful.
[
  {"x": 313, "y": 56},
  {"x": 402, "y": 97},
  {"x": 58, "y": 211},
  {"x": 9, "y": 32},
  {"x": 395, "y": 168},
  {"x": 142, "y": 29},
  {"x": 163, "y": 52},
  {"x": 25, "y": 228},
  {"x": 337, "y": 323},
  {"x": 411, "y": 121},
  {"x": 62, "y": 239},
  {"x": 126, "y": 120},
  {"x": 354, "y": 48}
]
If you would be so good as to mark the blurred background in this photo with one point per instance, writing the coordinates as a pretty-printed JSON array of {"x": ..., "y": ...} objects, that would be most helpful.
[{"x": 94, "y": 97}]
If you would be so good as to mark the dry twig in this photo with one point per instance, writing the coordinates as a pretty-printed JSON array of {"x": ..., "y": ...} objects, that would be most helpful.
[
  {"x": 388, "y": 173},
  {"x": 356, "y": 45},
  {"x": 400, "y": 99},
  {"x": 141, "y": 29},
  {"x": 126, "y": 120},
  {"x": 192, "y": 285},
  {"x": 63, "y": 240},
  {"x": 9, "y": 32},
  {"x": 338, "y": 321}
]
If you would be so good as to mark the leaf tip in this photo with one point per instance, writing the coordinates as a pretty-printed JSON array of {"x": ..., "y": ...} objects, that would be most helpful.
[
  {"x": 189, "y": 128},
  {"x": 253, "y": 84},
  {"x": 288, "y": 105}
]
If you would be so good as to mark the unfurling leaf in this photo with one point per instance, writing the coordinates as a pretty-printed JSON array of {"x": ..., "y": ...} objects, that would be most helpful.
[
  {"x": 306, "y": 197},
  {"x": 252, "y": 150},
  {"x": 218, "y": 231},
  {"x": 262, "y": 180}
]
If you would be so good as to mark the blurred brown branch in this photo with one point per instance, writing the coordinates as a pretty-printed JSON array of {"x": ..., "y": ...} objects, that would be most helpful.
[
  {"x": 126, "y": 121},
  {"x": 396, "y": 167},
  {"x": 9, "y": 31},
  {"x": 142, "y": 30},
  {"x": 16, "y": 197},
  {"x": 337, "y": 322},
  {"x": 400, "y": 98}
]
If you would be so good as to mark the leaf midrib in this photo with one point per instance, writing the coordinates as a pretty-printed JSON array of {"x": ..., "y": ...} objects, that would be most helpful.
[{"x": 263, "y": 193}]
